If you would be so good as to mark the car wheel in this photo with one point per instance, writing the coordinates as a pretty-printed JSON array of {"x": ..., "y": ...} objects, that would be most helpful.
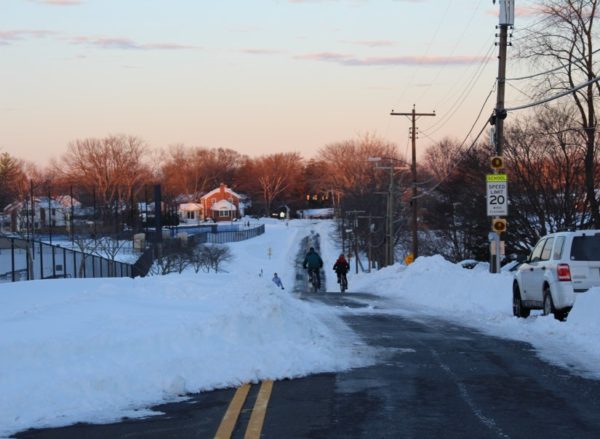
[
  {"x": 548, "y": 304},
  {"x": 518, "y": 309},
  {"x": 562, "y": 314}
]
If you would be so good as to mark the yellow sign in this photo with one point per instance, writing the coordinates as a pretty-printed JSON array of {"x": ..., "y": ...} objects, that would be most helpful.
[
  {"x": 496, "y": 178},
  {"x": 409, "y": 259}
]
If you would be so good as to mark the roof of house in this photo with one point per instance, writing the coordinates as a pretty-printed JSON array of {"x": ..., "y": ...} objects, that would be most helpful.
[
  {"x": 188, "y": 207},
  {"x": 217, "y": 190},
  {"x": 223, "y": 205}
]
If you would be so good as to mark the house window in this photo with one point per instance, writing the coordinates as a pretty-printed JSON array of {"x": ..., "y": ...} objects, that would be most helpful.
[
  {"x": 53, "y": 211},
  {"x": 190, "y": 215},
  {"x": 223, "y": 213}
]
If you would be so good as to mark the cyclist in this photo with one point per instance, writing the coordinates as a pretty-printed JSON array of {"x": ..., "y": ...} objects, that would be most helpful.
[
  {"x": 341, "y": 267},
  {"x": 313, "y": 262}
]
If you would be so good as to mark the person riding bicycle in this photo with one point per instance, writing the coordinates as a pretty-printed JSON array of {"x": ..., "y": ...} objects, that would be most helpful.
[
  {"x": 313, "y": 262},
  {"x": 341, "y": 267}
]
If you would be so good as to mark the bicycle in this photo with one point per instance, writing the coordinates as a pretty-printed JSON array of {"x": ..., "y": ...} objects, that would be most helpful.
[
  {"x": 343, "y": 282},
  {"x": 312, "y": 279}
]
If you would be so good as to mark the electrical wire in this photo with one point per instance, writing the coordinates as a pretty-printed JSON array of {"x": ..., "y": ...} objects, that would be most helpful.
[
  {"x": 464, "y": 94},
  {"x": 460, "y": 38},
  {"x": 430, "y": 190},
  {"x": 426, "y": 53},
  {"x": 563, "y": 66},
  {"x": 465, "y": 139},
  {"x": 552, "y": 98}
]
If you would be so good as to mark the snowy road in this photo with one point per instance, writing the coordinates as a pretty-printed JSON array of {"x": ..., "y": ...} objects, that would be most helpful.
[{"x": 432, "y": 379}]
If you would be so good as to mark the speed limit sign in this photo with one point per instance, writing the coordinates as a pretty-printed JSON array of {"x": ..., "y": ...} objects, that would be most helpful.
[{"x": 497, "y": 195}]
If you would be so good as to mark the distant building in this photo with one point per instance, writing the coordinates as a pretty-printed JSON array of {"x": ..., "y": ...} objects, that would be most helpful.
[
  {"x": 221, "y": 204},
  {"x": 47, "y": 213},
  {"x": 190, "y": 213}
]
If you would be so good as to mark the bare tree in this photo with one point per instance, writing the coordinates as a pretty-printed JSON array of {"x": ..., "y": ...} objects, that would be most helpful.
[
  {"x": 272, "y": 177},
  {"x": 113, "y": 168},
  {"x": 565, "y": 38},
  {"x": 546, "y": 162}
]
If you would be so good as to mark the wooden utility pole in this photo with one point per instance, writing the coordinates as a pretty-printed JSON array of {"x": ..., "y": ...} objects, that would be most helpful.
[
  {"x": 413, "y": 116},
  {"x": 506, "y": 19}
]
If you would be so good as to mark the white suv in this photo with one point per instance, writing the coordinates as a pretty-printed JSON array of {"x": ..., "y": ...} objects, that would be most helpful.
[{"x": 560, "y": 266}]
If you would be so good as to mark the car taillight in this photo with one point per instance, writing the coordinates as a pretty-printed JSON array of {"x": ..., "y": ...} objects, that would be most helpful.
[{"x": 564, "y": 273}]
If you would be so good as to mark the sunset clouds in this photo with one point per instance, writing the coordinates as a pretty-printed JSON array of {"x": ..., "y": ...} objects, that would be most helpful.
[
  {"x": 348, "y": 60},
  {"x": 126, "y": 44}
]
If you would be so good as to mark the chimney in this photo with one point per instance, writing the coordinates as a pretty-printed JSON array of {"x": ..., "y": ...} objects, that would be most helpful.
[{"x": 222, "y": 190}]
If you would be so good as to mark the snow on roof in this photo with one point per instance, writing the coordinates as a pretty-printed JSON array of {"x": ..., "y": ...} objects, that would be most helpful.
[
  {"x": 188, "y": 207},
  {"x": 217, "y": 190},
  {"x": 223, "y": 205}
]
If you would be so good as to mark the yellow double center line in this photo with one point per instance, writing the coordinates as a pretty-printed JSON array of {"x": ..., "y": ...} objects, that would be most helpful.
[{"x": 235, "y": 407}]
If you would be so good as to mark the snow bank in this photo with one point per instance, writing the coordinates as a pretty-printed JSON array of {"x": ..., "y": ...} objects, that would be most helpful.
[
  {"x": 95, "y": 350},
  {"x": 434, "y": 287}
]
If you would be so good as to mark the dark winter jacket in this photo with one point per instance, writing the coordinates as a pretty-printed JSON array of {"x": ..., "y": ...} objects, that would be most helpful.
[
  {"x": 341, "y": 265},
  {"x": 312, "y": 260}
]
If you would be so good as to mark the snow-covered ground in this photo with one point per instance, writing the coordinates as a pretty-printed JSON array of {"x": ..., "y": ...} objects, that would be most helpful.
[
  {"x": 98, "y": 349},
  {"x": 434, "y": 288}
]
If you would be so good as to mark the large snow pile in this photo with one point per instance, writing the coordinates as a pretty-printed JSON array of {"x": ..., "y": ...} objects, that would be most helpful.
[
  {"x": 434, "y": 287},
  {"x": 98, "y": 349}
]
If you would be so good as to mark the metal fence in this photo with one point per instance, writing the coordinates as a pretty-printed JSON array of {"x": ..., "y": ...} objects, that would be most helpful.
[
  {"x": 240, "y": 235},
  {"x": 21, "y": 259}
]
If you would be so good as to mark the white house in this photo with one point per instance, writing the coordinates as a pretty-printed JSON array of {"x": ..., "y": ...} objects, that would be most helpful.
[
  {"x": 190, "y": 213},
  {"x": 47, "y": 212}
]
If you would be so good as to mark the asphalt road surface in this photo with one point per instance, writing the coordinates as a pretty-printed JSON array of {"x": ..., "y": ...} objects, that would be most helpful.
[{"x": 434, "y": 380}]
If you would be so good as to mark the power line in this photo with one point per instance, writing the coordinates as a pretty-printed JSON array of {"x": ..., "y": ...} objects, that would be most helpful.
[
  {"x": 563, "y": 66},
  {"x": 463, "y": 95},
  {"x": 552, "y": 98},
  {"x": 460, "y": 38},
  {"x": 430, "y": 190},
  {"x": 466, "y": 137}
]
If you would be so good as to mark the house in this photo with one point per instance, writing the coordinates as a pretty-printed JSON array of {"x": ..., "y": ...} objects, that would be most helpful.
[
  {"x": 221, "y": 204},
  {"x": 189, "y": 213},
  {"x": 46, "y": 213}
]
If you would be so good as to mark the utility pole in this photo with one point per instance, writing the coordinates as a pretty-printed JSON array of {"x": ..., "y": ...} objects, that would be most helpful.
[
  {"x": 370, "y": 218},
  {"x": 506, "y": 19},
  {"x": 390, "y": 218},
  {"x": 354, "y": 232},
  {"x": 413, "y": 116}
]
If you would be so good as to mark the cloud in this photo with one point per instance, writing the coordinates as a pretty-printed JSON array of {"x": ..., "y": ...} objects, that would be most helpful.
[
  {"x": 11, "y": 36},
  {"x": 372, "y": 43},
  {"x": 520, "y": 11},
  {"x": 260, "y": 51},
  {"x": 348, "y": 60},
  {"x": 59, "y": 2},
  {"x": 126, "y": 44}
]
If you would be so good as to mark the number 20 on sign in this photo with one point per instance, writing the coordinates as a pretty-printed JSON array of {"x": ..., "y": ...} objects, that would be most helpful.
[{"x": 497, "y": 195}]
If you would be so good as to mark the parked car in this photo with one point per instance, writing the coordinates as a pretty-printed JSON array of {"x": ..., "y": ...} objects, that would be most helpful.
[{"x": 560, "y": 266}]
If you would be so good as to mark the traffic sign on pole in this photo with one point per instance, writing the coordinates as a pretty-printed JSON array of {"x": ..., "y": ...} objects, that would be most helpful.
[{"x": 497, "y": 195}]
